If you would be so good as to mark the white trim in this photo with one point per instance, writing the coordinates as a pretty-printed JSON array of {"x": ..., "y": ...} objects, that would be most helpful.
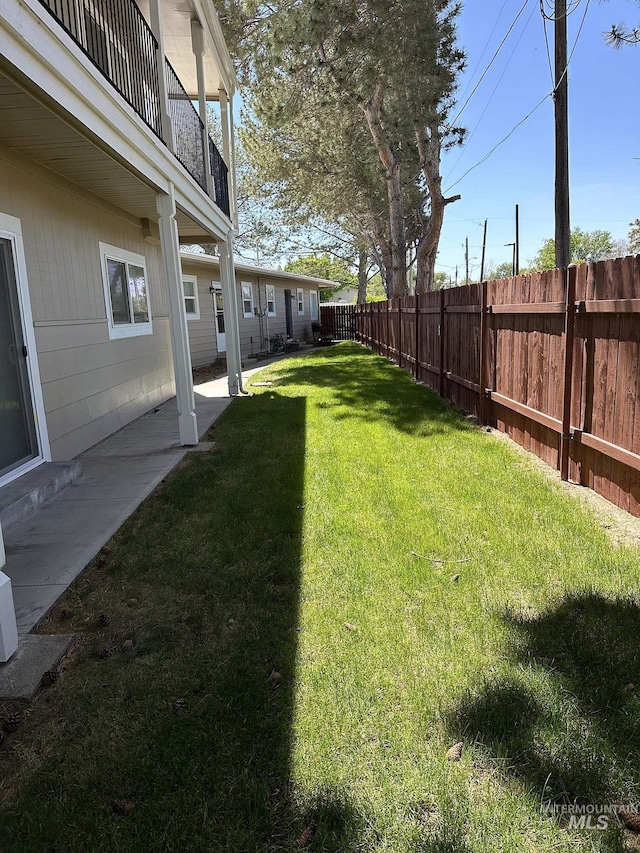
[
  {"x": 191, "y": 315},
  {"x": 316, "y": 318},
  {"x": 300, "y": 300},
  {"x": 127, "y": 330},
  {"x": 11, "y": 229},
  {"x": 217, "y": 287},
  {"x": 271, "y": 287},
  {"x": 246, "y": 314}
]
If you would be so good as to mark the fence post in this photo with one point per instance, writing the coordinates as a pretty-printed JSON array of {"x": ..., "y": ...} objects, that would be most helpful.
[
  {"x": 417, "y": 347},
  {"x": 388, "y": 330},
  {"x": 400, "y": 332},
  {"x": 442, "y": 336},
  {"x": 569, "y": 334},
  {"x": 484, "y": 317}
]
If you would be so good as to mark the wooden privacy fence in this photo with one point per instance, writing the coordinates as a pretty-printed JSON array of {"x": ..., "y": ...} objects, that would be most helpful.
[
  {"x": 339, "y": 321},
  {"x": 552, "y": 359}
]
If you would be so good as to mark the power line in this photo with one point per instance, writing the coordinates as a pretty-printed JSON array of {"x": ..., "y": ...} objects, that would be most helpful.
[
  {"x": 488, "y": 104},
  {"x": 571, "y": 8},
  {"x": 493, "y": 59},
  {"x": 538, "y": 105},
  {"x": 546, "y": 39},
  {"x": 484, "y": 50},
  {"x": 498, "y": 144},
  {"x": 575, "y": 44}
]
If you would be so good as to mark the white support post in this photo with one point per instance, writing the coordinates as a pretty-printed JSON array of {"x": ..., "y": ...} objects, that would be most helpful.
[
  {"x": 197, "y": 45},
  {"x": 8, "y": 627},
  {"x": 232, "y": 167},
  {"x": 155, "y": 16},
  {"x": 170, "y": 246},
  {"x": 231, "y": 322}
]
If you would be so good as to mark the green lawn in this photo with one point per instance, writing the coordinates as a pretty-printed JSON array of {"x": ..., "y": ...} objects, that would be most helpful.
[{"x": 303, "y": 652}]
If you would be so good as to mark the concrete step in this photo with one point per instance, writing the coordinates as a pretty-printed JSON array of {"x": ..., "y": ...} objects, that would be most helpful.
[{"x": 24, "y": 495}]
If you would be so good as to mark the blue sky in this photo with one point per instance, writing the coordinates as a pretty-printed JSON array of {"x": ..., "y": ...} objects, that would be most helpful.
[{"x": 604, "y": 131}]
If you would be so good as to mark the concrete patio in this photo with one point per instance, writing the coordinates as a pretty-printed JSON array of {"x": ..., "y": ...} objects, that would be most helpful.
[
  {"x": 49, "y": 548},
  {"x": 54, "y": 542}
]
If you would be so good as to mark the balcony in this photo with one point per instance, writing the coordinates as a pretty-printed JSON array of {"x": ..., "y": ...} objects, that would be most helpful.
[{"x": 117, "y": 39}]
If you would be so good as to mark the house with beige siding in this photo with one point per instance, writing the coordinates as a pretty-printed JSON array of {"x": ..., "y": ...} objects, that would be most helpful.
[
  {"x": 106, "y": 168},
  {"x": 272, "y": 306}
]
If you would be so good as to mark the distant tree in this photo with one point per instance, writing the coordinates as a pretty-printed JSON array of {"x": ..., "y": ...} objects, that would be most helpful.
[
  {"x": 503, "y": 270},
  {"x": 324, "y": 266},
  {"x": 586, "y": 246},
  {"x": 375, "y": 289},
  {"x": 634, "y": 237},
  {"x": 440, "y": 280}
]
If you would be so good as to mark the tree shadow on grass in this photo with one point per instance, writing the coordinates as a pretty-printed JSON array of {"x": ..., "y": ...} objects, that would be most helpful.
[
  {"x": 567, "y": 722},
  {"x": 367, "y": 387}
]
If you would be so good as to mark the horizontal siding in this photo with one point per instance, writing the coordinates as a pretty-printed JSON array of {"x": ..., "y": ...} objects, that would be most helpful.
[
  {"x": 91, "y": 385},
  {"x": 255, "y": 332}
]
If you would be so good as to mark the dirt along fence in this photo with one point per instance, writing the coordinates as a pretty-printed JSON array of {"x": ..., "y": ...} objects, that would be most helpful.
[{"x": 551, "y": 358}]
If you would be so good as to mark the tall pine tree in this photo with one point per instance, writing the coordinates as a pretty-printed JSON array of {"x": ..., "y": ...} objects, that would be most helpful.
[{"x": 350, "y": 101}]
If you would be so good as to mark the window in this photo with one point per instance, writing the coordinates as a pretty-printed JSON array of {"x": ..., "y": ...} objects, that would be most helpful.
[
  {"x": 125, "y": 288},
  {"x": 300, "y": 292},
  {"x": 271, "y": 300},
  {"x": 191, "y": 304},
  {"x": 313, "y": 306},
  {"x": 247, "y": 299}
]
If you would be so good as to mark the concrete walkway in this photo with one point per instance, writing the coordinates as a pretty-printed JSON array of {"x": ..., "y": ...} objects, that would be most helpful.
[{"x": 50, "y": 548}]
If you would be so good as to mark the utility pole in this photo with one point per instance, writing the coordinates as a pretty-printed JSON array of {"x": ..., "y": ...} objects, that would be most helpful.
[
  {"x": 517, "y": 246},
  {"x": 466, "y": 259},
  {"x": 561, "y": 100},
  {"x": 456, "y": 275},
  {"x": 484, "y": 246}
]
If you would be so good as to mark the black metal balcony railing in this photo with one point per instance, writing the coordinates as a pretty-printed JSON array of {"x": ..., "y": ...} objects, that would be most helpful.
[
  {"x": 220, "y": 174},
  {"x": 188, "y": 130},
  {"x": 118, "y": 40}
]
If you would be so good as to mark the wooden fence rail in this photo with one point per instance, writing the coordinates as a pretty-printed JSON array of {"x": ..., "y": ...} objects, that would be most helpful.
[{"x": 552, "y": 359}]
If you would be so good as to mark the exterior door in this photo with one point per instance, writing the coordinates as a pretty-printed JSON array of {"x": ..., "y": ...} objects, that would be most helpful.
[
  {"x": 313, "y": 306},
  {"x": 18, "y": 438},
  {"x": 288, "y": 313},
  {"x": 221, "y": 338}
]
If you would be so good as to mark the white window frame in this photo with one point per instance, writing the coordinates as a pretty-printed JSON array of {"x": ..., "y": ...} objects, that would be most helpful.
[
  {"x": 243, "y": 284},
  {"x": 315, "y": 319},
  {"x": 11, "y": 229},
  {"x": 300, "y": 299},
  {"x": 124, "y": 330},
  {"x": 195, "y": 314},
  {"x": 272, "y": 288}
]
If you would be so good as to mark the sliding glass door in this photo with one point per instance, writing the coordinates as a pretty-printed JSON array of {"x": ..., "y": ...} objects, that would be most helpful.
[{"x": 18, "y": 440}]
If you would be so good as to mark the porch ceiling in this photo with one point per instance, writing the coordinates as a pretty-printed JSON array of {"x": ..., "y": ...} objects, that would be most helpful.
[
  {"x": 32, "y": 131},
  {"x": 176, "y": 25}
]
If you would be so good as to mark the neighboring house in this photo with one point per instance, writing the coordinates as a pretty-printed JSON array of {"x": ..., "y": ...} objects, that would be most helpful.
[
  {"x": 105, "y": 169},
  {"x": 344, "y": 296},
  {"x": 269, "y": 303}
]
